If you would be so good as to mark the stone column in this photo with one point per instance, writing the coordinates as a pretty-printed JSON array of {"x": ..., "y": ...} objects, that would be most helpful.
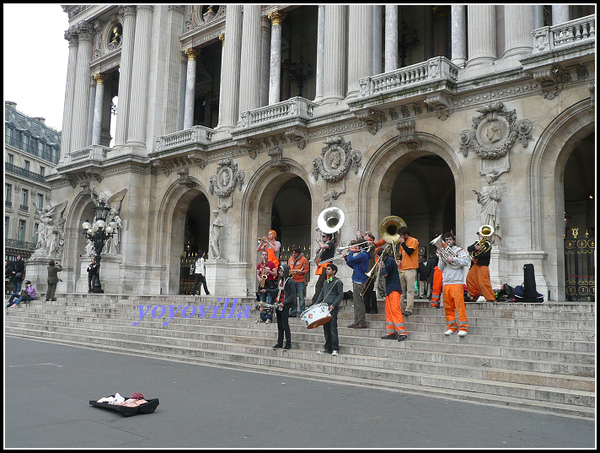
[
  {"x": 79, "y": 124},
  {"x": 136, "y": 127},
  {"x": 459, "y": 35},
  {"x": 230, "y": 75},
  {"x": 518, "y": 25},
  {"x": 98, "y": 107},
  {"x": 129, "y": 14},
  {"x": 391, "y": 37},
  {"x": 250, "y": 84},
  {"x": 560, "y": 14},
  {"x": 360, "y": 46},
  {"x": 265, "y": 60},
  {"x": 335, "y": 53},
  {"x": 65, "y": 145},
  {"x": 377, "y": 39},
  {"x": 320, "y": 53},
  {"x": 275, "y": 67},
  {"x": 482, "y": 34},
  {"x": 190, "y": 82}
]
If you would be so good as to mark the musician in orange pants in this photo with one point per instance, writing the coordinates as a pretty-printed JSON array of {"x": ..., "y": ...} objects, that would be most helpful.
[
  {"x": 451, "y": 263},
  {"x": 478, "y": 278},
  {"x": 436, "y": 288}
]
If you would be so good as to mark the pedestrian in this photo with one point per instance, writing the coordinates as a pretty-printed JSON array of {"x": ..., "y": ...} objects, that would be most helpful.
[
  {"x": 92, "y": 270},
  {"x": 17, "y": 274},
  {"x": 27, "y": 293},
  {"x": 200, "y": 274},
  {"x": 53, "y": 269}
]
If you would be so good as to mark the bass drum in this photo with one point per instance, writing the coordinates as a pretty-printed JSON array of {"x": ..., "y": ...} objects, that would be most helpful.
[{"x": 316, "y": 316}]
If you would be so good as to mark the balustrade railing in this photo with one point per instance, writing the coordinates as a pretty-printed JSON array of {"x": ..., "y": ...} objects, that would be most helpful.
[
  {"x": 552, "y": 37},
  {"x": 196, "y": 134},
  {"x": 296, "y": 107},
  {"x": 433, "y": 70}
]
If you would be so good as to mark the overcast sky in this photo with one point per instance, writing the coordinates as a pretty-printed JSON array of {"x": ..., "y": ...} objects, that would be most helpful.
[{"x": 35, "y": 59}]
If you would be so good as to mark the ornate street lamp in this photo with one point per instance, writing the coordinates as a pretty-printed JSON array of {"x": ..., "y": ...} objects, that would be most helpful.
[{"x": 99, "y": 233}]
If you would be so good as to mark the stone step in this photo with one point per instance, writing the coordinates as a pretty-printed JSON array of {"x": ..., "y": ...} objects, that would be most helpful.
[
  {"x": 341, "y": 365},
  {"x": 350, "y": 337},
  {"x": 375, "y": 348}
]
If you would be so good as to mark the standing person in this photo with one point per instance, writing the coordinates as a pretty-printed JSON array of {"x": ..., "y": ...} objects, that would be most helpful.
[
  {"x": 200, "y": 274},
  {"x": 92, "y": 270},
  {"x": 28, "y": 293},
  {"x": 272, "y": 246},
  {"x": 332, "y": 294},
  {"x": 18, "y": 274},
  {"x": 359, "y": 262},
  {"x": 298, "y": 266},
  {"x": 266, "y": 274},
  {"x": 7, "y": 277},
  {"x": 53, "y": 270},
  {"x": 394, "y": 322},
  {"x": 369, "y": 296},
  {"x": 453, "y": 290},
  {"x": 437, "y": 280},
  {"x": 478, "y": 278},
  {"x": 326, "y": 252},
  {"x": 286, "y": 299},
  {"x": 423, "y": 278},
  {"x": 409, "y": 247}
]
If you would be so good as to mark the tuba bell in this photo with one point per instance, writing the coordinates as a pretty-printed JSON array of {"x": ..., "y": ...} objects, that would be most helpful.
[
  {"x": 388, "y": 228},
  {"x": 444, "y": 251},
  {"x": 484, "y": 243},
  {"x": 330, "y": 220}
]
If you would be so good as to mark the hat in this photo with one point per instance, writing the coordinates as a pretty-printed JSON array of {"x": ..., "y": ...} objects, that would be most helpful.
[{"x": 27, "y": 282}]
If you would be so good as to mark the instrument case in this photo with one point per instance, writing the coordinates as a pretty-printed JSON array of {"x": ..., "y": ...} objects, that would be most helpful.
[{"x": 147, "y": 408}]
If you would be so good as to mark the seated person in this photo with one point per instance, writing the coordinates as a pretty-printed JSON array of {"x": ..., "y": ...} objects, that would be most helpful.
[{"x": 28, "y": 293}]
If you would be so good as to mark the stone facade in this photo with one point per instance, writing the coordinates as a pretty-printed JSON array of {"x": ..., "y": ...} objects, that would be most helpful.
[{"x": 202, "y": 125}]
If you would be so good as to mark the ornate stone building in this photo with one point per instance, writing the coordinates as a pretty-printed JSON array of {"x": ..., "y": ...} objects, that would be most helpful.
[
  {"x": 447, "y": 116},
  {"x": 31, "y": 151}
]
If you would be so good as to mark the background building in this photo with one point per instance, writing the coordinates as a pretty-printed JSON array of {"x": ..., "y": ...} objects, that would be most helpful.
[
  {"x": 31, "y": 151},
  {"x": 268, "y": 114}
]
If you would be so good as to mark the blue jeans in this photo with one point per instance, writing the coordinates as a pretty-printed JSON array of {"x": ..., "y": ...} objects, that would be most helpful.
[
  {"x": 268, "y": 297},
  {"x": 19, "y": 299},
  {"x": 299, "y": 299}
]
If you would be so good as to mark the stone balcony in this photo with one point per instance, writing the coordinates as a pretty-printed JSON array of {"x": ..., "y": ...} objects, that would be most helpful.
[{"x": 574, "y": 32}]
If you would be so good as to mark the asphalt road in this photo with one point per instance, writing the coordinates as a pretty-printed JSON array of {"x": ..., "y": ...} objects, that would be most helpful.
[{"x": 48, "y": 387}]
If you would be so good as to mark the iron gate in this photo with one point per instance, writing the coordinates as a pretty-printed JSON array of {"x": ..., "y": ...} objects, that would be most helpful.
[{"x": 580, "y": 283}]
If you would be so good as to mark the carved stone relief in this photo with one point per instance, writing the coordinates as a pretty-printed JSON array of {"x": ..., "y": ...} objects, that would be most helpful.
[
  {"x": 337, "y": 157},
  {"x": 228, "y": 177}
]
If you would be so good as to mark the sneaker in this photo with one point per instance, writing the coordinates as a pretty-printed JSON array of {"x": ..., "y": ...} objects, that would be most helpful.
[
  {"x": 323, "y": 352},
  {"x": 462, "y": 333},
  {"x": 287, "y": 346},
  {"x": 448, "y": 332},
  {"x": 402, "y": 337},
  {"x": 335, "y": 353},
  {"x": 389, "y": 337},
  {"x": 267, "y": 321},
  {"x": 277, "y": 346}
]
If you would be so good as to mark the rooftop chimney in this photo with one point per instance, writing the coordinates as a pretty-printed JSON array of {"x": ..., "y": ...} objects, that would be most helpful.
[
  {"x": 10, "y": 104},
  {"x": 40, "y": 119}
]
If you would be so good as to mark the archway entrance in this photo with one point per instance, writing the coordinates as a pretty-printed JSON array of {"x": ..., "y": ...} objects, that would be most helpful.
[
  {"x": 580, "y": 227},
  {"x": 424, "y": 196},
  {"x": 195, "y": 239}
]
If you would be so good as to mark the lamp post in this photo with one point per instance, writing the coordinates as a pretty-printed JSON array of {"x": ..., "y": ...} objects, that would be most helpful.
[{"x": 99, "y": 233}]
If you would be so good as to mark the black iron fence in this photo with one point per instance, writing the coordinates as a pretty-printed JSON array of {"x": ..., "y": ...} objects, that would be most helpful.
[{"x": 580, "y": 282}]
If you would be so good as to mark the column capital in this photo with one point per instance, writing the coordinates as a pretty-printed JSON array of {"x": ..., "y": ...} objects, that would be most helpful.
[
  {"x": 192, "y": 53},
  {"x": 127, "y": 10},
  {"x": 276, "y": 17},
  {"x": 100, "y": 78}
]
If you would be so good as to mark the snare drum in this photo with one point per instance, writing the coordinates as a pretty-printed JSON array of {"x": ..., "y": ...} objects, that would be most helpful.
[{"x": 316, "y": 316}]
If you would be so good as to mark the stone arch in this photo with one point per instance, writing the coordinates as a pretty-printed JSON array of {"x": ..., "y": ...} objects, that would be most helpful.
[
  {"x": 546, "y": 178},
  {"x": 170, "y": 228},
  {"x": 387, "y": 160},
  {"x": 258, "y": 197}
]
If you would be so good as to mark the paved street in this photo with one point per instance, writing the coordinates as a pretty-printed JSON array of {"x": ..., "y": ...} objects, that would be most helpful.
[{"x": 48, "y": 386}]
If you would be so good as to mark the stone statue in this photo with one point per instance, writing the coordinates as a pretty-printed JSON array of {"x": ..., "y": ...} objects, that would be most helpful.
[
  {"x": 215, "y": 235},
  {"x": 51, "y": 231},
  {"x": 114, "y": 243},
  {"x": 489, "y": 203}
]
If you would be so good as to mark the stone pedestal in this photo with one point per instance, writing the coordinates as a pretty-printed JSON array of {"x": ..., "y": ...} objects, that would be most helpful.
[
  {"x": 36, "y": 271},
  {"x": 110, "y": 275},
  {"x": 226, "y": 279}
]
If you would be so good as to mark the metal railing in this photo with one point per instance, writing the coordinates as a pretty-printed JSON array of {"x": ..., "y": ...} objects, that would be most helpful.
[{"x": 12, "y": 168}]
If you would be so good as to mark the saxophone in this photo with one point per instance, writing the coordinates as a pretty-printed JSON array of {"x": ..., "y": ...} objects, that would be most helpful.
[{"x": 263, "y": 274}]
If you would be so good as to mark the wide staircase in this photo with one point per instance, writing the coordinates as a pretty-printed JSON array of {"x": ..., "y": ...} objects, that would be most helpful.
[{"x": 533, "y": 356}]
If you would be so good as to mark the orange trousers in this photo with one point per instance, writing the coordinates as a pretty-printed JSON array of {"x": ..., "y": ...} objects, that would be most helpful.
[
  {"x": 479, "y": 283},
  {"x": 454, "y": 299},
  {"x": 436, "y": 289},
  {"x": 394, "y": 322}
]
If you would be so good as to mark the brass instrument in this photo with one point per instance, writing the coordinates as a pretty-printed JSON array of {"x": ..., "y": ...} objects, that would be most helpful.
[
  {"x": 484, "y": 243},
  {"x": 330, "y": 221},
  {"x": 388, "y": 230},
  {"x": 263, "y": 274},
  {"x": 444, "y": 251}
]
